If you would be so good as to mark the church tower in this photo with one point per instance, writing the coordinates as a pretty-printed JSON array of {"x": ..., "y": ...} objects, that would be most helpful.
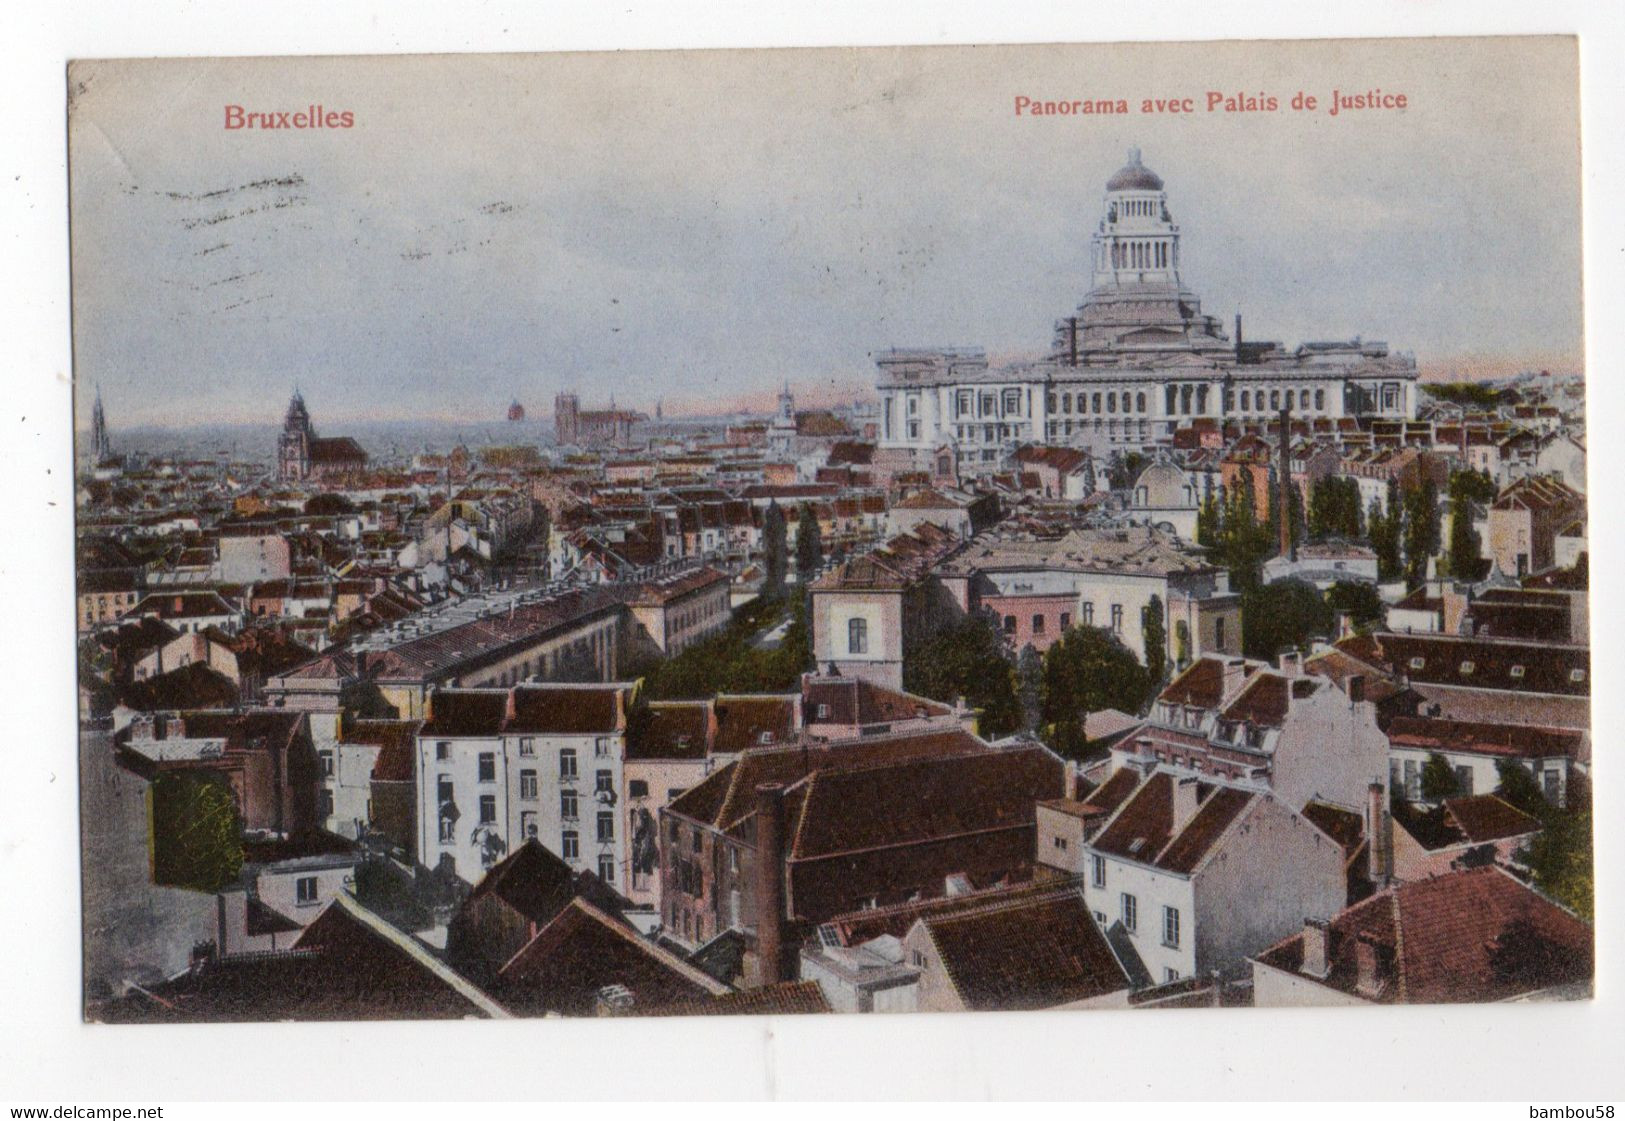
[
  {"x": 566, "y": 419},
  {"x": 100, "y": 444},
  {"x": 293, "y": 446}
]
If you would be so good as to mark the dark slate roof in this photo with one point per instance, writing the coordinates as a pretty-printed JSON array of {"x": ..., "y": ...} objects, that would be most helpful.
[
  {"x": 582, "y": 951},
  {"x": 191, "y": 686},
  {"x": 1470, "y": 663},
  {"x": 1201, "y": 685},
  {"x": 728, "y": 795},
  {"x": 671, "y": 730},
  {"x": 347, "y": 965},
  {"x": 1143, "y": 829},
  {"x": 1037, "y": 952},
  {"x": 913, "y": 801},
  {"x": 742, "y": 720},
  {"x": 466, "y": 712},
  {"x": 1483, "y": 738},
  {"x": 396, "y": 741},
  {"x": 565, "y": 710}
]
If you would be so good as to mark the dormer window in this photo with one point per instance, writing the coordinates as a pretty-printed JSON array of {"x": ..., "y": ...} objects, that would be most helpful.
[
  {"x": 1467, "y": 669},
  {"x": 823, "y": 712},
  {"x": 1517, "y": 673},
  {"x": 765, "y": 738},
  {"x": 1577, "y": 675},
  {"x": 1418, "y": 663}
]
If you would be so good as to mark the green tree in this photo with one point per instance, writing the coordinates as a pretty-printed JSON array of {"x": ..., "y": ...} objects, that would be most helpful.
[
  {"x": 1154, "y": 632},
  {"x": 1245, "y": 543},
  {"x": 1210, "y": 519},
  {"x": 197, "y": 832},
  {"x": 1421, "y": 532},
  {"x": 1284, "y": 614},
  {"x": 1089, "y": 670},
  {"x": 1383, "y": 529},
  {"x": 1517, "y": 786},
  {"x": 1438, "y": 779},
  {"x": 968, "y": 659},
  {"x": 809, "y": 544},
  {"x": 775, "y": 551},
  {"x": 1030, "y": 687},
  {"x": 1466, "y": 558},
  {"x": 1359, "y": 601}
]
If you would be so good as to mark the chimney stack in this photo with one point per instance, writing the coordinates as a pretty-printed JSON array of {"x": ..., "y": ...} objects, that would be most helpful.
[
  {"x": 770, "y": 882},
  {"x": 1235, "y": 672},
  {"x": 1074, "y": 781},
  {"x": 1376, "y": 834},
  {"x": 1354, "y": 683},
  {"x": 1369, "y": 979},
  {"x": 1291, "y": 663},
  {"x": 1316, "y": 933},
  {"x": 1184, "y": 803}
]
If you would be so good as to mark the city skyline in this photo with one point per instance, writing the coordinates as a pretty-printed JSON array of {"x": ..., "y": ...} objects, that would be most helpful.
[{"x": 806, "y": 225}]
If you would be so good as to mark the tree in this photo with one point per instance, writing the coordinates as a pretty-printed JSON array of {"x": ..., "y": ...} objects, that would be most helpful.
[
  {"x": 328, "y": 504},
  {"x": 1030, "y": 687},
  {"x": 968, "y": 659},
  {"x": 1155, "y": 634},
  {"x": 1089, "y": 670},
  {"x": 1245, "y": 542},
  {"x": 1382, "y": 526},
  {"x": 197, "y": 832},
  {"x": 1466, "y": 558},
  {"x": 775, "y": 548},
  {"x": 809, "y": 544},
  {"x": 1517, "y": 786},
  {"x": 1421, "y": 532},
  {"x": 1359, "y": 601},
  {"x": 1210, "y": 519},
  {"x": 1438, "y": 779},
  {"x": 1334, "y": 508},
  {"x": 1284, "y": 614}
]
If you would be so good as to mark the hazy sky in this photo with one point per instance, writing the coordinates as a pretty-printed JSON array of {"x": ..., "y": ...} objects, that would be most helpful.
[{"x": 700, "y": 226}]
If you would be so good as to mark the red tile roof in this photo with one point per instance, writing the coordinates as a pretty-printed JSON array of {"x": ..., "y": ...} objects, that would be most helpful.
[
  {"x": 1484, "y": 817},
  {"x": 788, "y": 998},
  {"x": 1472, "y": 936},
  {"x": 1483, "y": 738}
]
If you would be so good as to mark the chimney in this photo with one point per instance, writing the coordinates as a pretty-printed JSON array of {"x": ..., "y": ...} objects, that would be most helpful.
[
  {"x": 1370, "y": 978},
  {"x": 1184, "y": 803},
  {"x": 1315, "y": 935},
  {"x": 1455, "y": 604},
  {"x": 1376, "y": 834},
  {"x": 1074, "y": 783},
  {"x": 1354, "y": 683},
  {"x": 510, "y": 707},
  {"x": 769, "y": 882},
  {"x": 1291, "y": 663},
  {"x": 1235, "y": 672}
]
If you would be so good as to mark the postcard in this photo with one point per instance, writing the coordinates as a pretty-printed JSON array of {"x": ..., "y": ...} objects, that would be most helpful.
[{"x": 840, "y": 530}]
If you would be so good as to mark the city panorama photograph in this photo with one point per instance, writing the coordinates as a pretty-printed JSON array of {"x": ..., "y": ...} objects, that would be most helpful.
[{"x": 844, "y": 530}]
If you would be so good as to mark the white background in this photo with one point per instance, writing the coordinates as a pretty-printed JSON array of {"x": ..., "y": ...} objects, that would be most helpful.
[{"x": 1546, "y": 1054}]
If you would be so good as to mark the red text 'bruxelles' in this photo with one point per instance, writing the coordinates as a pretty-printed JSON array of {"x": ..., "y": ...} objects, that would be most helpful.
[{"x": 311, "y": 116}]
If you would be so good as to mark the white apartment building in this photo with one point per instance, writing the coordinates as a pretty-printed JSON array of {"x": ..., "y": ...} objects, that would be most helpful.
[
  {"x": 1200, "y": 876},
  {"x": 496, "y": 767}
]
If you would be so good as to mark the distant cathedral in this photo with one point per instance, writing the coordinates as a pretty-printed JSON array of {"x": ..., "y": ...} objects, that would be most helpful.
[
  {"x": 301, "y": 454},
  {"x": 575, "y": 427}
]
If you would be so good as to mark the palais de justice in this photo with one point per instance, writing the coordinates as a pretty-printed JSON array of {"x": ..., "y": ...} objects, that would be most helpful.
[{"x": 1136, "y": 361}]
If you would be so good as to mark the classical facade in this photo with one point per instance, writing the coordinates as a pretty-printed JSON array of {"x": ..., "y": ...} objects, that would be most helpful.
[{"x": 1136, "y": 360}]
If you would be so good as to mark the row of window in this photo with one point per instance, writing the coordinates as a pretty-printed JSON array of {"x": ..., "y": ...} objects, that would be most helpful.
[
  {"x": 1129, "y": 907},
  {"x": 969, "y": 404},
  {"x": 1131, "y": 403}
]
